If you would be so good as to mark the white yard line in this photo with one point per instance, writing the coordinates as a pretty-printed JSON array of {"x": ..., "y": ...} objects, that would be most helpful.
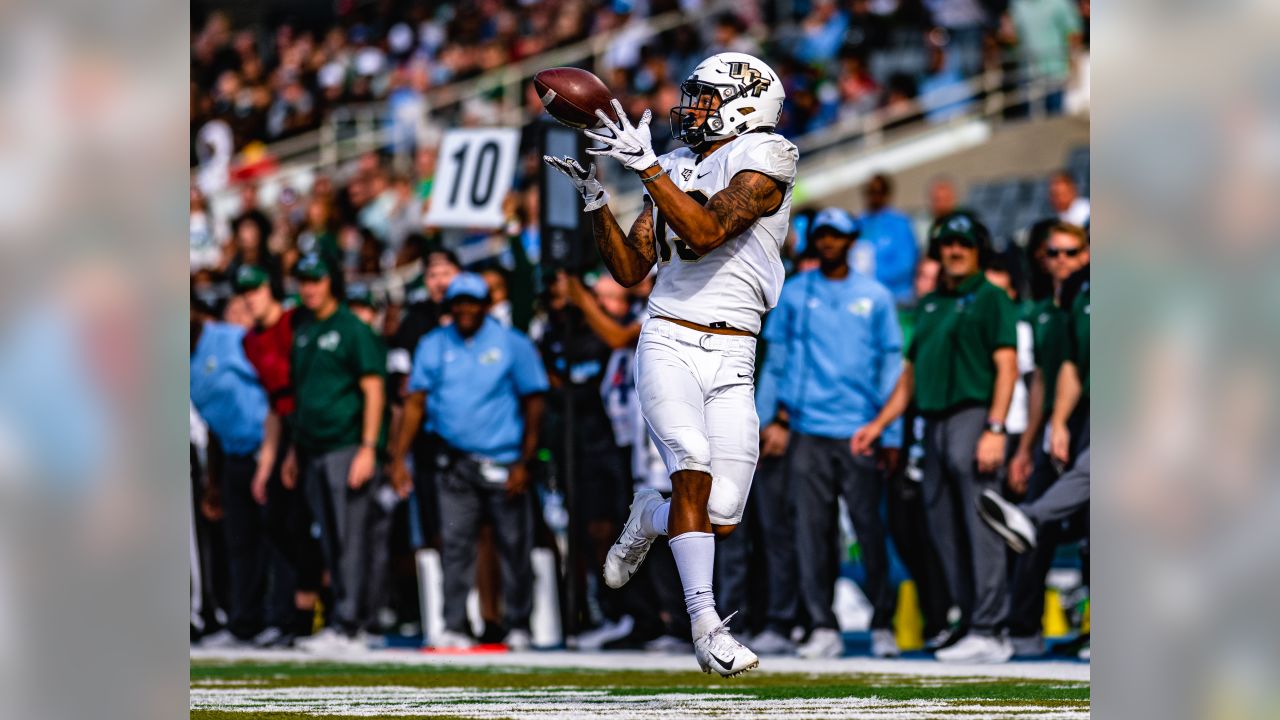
[{"x": 1046, "y": 670}]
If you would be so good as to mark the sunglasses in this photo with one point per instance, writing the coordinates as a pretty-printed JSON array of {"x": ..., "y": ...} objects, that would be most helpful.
[
  {"x": 957, "y": 240},
  {"x": 1069, "y": 252}
]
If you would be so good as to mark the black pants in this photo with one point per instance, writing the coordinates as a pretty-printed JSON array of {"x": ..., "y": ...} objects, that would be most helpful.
[
  {"x": 261, "y": 581},
  {"x": 822, "y": 469},
  {"x": 466, "y": 500}
]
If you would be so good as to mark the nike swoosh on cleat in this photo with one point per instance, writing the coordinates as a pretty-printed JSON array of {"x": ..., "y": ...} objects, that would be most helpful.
[{"x": 723, "y": 664}]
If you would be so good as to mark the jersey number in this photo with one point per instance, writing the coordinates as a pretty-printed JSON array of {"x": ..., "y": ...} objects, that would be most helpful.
[{"x": 682, "y": 249}]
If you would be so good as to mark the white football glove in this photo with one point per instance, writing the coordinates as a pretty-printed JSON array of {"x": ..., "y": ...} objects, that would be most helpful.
[
  {"x": 593, "y": 193},
  {"x": 630, "y": 145}
]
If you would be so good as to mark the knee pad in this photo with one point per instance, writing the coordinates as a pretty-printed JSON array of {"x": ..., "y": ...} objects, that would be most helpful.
[
  {"x": 728, "y": 499},
  {"x": 686, "y": 449}
]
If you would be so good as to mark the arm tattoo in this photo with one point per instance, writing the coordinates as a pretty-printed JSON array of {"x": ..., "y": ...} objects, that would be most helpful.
[
  {"x": 749, "y": 196},
  {"x": 641, "y": 238}
]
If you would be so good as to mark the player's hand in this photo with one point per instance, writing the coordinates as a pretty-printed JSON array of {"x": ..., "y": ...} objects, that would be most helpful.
[
  {"x": 258, "y": 486},
  {"x": 1060, "y": 443},
  {"x": 593, "y": 193},
  {"x": 1020, "y": 470},
  {"x": 401, "y": 480},
  {"x": 631, "y": 145},
  {"x": 211, "y": 503},
  {"x": 517, "y": 479},
  {"x": 289, "y": 470},
  {"x": 863, "y": 442},
  {"x": 362, "y": 467},
  {"x": 887, "y": 459},
  {"x": 990, "y": 452},
  {"x": 773, "y": 440}
]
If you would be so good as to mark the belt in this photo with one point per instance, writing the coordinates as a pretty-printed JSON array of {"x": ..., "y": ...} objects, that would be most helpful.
[
  {"x": 700, "y": 337},
  {"x": 716, "y": 328}
]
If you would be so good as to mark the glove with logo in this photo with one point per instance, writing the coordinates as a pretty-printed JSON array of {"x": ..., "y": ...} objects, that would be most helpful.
[
  {"x": 593, "y": 193},
  {"x": 631, "y": 145}
]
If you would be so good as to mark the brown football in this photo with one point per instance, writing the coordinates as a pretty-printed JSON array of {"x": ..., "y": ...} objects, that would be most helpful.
[{"x": 572, "y": 96}]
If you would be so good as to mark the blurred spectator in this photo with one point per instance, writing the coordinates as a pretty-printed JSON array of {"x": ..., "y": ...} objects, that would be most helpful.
[
  {"x": 837, "y": 334},
  {"x": 226, "y": 393},
  {"x": 249, "y": 250},
  {"x": 319, "y": 238},
  {"x": 268, "y": 346},
  {"x": 1066, "y": 202},
  {"x": 499, "y": 302},
  {"x": 886, "y": 248},
  {"x": 965, "y": 24},
  {"x": 206, "y": 246},
  {"x": 821, "y": 33},
  {"x": 960, "y": 370},
  {"x": 944, "y": 94},
  {"x": 729, "y": 36},
  {"x": 1046, "y": 33},
  {"x": 338, "y": 367},
  {"x": 482, "y": 386}
]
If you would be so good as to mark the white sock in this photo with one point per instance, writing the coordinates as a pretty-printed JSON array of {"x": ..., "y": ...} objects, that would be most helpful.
[
  {"x": 655, "y": 523},
  {"x": 695, "y": 554}
]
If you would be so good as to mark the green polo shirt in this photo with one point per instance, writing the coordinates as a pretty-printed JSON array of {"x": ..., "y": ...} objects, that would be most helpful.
[
  {"x": 1079, "y": 335},
  {"x": 329, "y": 358},
  {"x": 956, "y": 333},
  {"x": 1050, "y": 332}
]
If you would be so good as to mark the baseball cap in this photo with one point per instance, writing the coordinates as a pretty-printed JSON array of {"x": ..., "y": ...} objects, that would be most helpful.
[
  {"x": 311, "y": 267},
  {"x": 467, "y": 285},
  {"x": 836, "y": 219},
  {"x": 361, "y": 294},
  {"x": 250, "y": 277},
  {"x": 958, "y": 224}
]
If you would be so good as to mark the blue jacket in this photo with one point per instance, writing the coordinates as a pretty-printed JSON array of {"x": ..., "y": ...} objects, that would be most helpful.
[
  {"x": 225, "y": 389},
  {"x": 834, "y": 354},
  {"x": 889, "y": 234}
]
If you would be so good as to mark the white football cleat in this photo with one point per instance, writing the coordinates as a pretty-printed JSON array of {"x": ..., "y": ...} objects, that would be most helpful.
[
  {"x": 883, "y": 644},
  {"x": 1008, "y": 521},
  {"x": 717, "y": 651},
  {"x": 977, "y": 649},
  {"x": 628, "y": 552},
  {"x": 822, "y": 643}
]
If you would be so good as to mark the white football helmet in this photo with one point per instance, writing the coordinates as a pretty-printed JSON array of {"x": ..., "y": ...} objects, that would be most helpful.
[{"x": 750, "y": 95}]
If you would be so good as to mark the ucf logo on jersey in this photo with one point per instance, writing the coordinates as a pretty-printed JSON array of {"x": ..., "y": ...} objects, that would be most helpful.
[{"x": 752, "y": 79}]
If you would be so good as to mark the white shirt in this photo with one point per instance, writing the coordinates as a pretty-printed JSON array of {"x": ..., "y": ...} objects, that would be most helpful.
[
  {"x": 738, "y": 282},
  {"x": 1077, "y": 214}
]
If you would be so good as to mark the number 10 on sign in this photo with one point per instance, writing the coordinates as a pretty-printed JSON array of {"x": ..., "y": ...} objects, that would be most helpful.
[{"x": 474, "y": 173}]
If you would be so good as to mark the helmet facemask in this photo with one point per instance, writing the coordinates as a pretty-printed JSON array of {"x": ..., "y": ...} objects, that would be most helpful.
[{"x": 696, "y": 99}]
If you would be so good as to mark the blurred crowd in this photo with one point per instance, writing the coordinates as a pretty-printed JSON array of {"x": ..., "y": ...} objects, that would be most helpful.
[
  {"x": 288, "y": 72},
  {"x": 487, "y": 411}
]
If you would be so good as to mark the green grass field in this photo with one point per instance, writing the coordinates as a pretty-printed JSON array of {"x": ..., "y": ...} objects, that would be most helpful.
[{"x": 255, "y": 690}]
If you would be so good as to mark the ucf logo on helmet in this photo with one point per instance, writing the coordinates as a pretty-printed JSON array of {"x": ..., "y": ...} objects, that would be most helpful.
[{"x": 755, "y": 82}]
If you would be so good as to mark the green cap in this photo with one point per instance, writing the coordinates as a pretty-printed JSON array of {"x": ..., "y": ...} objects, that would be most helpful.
[
  {"x": 250, "y": 277},
  {"x": 361, "y": 294},
  {"x": 311, "y": 267},
  {"x": 958, "y": 224}
]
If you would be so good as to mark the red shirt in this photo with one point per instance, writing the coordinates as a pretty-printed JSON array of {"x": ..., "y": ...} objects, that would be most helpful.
[{"x": 268, "y": 349}]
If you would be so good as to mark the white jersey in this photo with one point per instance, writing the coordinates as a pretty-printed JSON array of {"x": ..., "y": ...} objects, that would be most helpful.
[{"x": 738, "y": 282}]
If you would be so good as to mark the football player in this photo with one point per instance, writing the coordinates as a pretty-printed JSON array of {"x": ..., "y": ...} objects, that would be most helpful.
[{"x": 713, "y": 222}]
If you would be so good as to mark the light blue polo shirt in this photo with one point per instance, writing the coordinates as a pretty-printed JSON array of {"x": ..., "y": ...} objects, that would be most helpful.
[
  {"x": 889, "y": 239},
  {"x": 835, "y": 353},
  {"x": 474, "y": 387},
  {"x": 225, "y": 389}
]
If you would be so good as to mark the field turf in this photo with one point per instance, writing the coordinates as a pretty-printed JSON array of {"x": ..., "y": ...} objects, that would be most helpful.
[{"x": 263, "y": 690}]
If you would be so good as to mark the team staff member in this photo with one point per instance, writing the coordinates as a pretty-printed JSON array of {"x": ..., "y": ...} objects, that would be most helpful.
[
  {"x": 338, "y": 371},
  {"x": 226, "y": 393},
  {"x": 1065, "y": 250},
  {"x": 482, "y": 385},
  {"x": 837, "y": 333},
  {"x": 268, "y": 346},
  {"x": 961, "y": 369}
]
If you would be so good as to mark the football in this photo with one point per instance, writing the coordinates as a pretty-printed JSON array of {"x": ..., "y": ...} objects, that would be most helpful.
[{"x": 572, "y": 96}]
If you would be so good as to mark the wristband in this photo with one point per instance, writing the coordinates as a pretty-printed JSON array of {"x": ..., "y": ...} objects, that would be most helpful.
[
  {"x": 995, "y": 427},
  {"x": 652, "y": 178}
]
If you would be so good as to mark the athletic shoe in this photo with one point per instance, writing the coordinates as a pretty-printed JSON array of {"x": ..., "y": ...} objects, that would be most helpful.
[
  {"x": 450, "y": 640},
  {"x": 607, "y": 632},
  {"x": 944, "y": 639},
  {"x": 718, "y": 652},
  {"x": 628, "y": 552},
  {"x": 1025, "y": 646},
  {"x": 883, "y": 644},
  {"x": 518, "y": 640},
  {"x": 329, "y": 641},
  {"x": 822, "y": 643},
  {"x": 222, "y": 640},
  {"x": 977, "y": 649},
  {"x": 273, "y": 637},
  {"x": 1006, "y": 519},
  {"x": 770, "y": 642},
  {"x": 1084, "y": 653},
  {"x": 667, "y": 645}
]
